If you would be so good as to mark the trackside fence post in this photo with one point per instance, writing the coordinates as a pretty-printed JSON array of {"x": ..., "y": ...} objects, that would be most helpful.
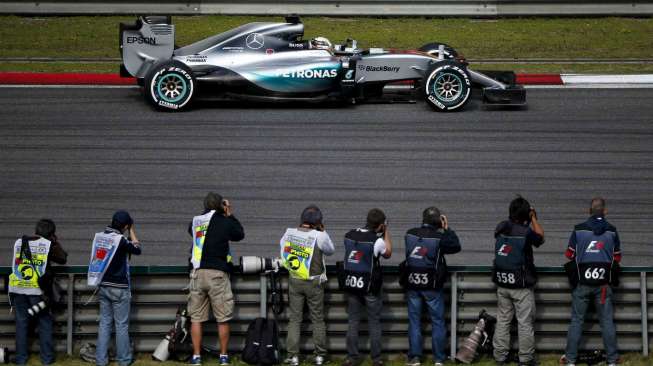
[
  {"x": 264, "y": 295},
  {"x": 71, "y": 313},
  {"x": 644, "y": 298},
  {"x": 454, "y": 314}
]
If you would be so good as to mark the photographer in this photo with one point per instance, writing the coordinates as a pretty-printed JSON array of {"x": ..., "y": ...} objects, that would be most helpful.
[
  {"x": 514, "y": 274},
  {"x": 109, "y": 269},
  {"x": 212, "y": 264},
  {"x": 302, "y": 252},
  {"x": 363, "y": 281},
  {"x": 595, "y": 252},
  {"x": 33, "y": 256},
  {"x": 426, "y": 274}
]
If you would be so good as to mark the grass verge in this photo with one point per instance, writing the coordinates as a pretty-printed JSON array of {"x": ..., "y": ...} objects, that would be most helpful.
[
  {"x": 145, "y": 360},
  {"x": 515, "y": 38}
]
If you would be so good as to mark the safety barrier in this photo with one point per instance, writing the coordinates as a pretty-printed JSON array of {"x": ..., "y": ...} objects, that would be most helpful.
[
  {"x": 158, "y": 291},
  {"x": 482, "y": 8}
]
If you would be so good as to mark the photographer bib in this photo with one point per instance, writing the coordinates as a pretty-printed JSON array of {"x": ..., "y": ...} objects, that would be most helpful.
[
  {"x": 360, "y": 263},
  {"x": 105, "y": 246},
  {"x": 594, "y": 257},
  {"x": 509, "y": 262},
  {"x": 421, "y": 262},
  {"x": 199, "y": 227},
  {"x": 297, "y": 252},
  {"x": 24, "y": 277}
]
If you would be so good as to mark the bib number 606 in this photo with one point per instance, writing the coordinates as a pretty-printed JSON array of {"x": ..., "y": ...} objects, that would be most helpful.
[
  {"x": 595, "y": 274},
  {"x": 355, "y": 282}
]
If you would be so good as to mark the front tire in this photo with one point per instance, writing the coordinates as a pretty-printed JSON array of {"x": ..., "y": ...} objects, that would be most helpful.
[
  {"x": 170, "y": 86},
  {"x": 447, "y": 86}
]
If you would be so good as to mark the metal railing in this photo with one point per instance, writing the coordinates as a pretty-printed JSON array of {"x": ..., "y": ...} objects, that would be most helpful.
[
  {"x": 483, "y": 8},
  {"x": 158, "y": 291}
]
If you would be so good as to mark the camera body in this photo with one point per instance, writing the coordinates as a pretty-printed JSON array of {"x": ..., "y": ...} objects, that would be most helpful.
[{"x": 251, "y": 264}]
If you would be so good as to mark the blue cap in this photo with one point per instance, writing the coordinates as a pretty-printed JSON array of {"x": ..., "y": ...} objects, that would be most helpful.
[{"x": 122, "y": 218}]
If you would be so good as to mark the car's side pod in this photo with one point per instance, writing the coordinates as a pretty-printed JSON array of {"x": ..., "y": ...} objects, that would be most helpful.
[{"x": 143, "y": 44}]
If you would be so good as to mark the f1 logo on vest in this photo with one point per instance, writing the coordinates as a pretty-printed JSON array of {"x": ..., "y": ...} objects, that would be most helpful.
[
  {"x": 355, "y": 256},
  {"x": 419, "y": 252},
  {"x": 504, "y": 250},
  {"x": 595, "y": 246}
]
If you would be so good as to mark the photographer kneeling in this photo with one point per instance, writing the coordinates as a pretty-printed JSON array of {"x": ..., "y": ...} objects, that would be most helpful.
[{"x": 31, "y": 262}]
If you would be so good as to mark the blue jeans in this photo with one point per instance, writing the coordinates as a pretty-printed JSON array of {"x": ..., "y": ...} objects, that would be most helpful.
[
  {"x": 435, "y": 304},
  {"x": 581, "y": 298},
  {"x": 45, "y": 324},
  {"x": 114, "y": 309}
]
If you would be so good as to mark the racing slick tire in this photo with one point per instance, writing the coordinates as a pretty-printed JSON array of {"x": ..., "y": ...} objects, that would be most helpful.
[
  {"x": 170, "y": 86},
  {"x": 447, "y": 86}
]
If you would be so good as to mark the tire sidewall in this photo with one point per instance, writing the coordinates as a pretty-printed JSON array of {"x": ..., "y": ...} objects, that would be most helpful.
[
  {"x": 172, "y": 68},
  {"x": 439, "y": 70}
]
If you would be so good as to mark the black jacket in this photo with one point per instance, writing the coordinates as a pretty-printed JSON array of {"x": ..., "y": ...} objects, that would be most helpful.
[
  {"x": 117, "y": 274},
  {"x": 449, "y": 244},
  {"x": 220, "y": 232}
]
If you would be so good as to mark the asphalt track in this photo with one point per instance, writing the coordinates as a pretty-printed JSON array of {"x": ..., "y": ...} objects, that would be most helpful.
[{"x": 76, "y": 155}]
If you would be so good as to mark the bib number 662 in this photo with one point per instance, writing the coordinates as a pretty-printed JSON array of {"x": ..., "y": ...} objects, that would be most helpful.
[
  {"x": 595, "y": 274},
  {"x": 354, "y": 282}
]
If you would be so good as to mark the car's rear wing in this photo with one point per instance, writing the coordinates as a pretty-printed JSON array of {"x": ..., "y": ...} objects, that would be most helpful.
[{"x": 144, "y": 43}]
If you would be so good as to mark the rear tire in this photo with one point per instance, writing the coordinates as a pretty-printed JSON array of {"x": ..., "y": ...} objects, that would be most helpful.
[
  {"x": 447, "y": 86},
  {"x": 170, "y": 86}
]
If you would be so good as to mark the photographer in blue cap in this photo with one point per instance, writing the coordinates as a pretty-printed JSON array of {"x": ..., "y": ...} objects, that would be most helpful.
[{"x": 109, "y": 272}]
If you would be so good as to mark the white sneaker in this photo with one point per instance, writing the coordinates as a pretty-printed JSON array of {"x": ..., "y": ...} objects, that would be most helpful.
[
  {"x": 438, "y": 364},
  {"x": 414, "y": 362},
  {"x": 292, "y": 361},
  {"x": 319, "y": 361}
]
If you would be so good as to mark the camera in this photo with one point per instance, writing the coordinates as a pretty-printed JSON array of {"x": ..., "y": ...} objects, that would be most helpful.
[
  {"x": 252, "y": 264},
  {"x": 36, "y": 308},
  {"x": 5, "y": 356}
]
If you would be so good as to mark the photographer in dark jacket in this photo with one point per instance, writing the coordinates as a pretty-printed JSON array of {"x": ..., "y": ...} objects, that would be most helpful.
[
  {"x": 426, "y": 274},
  {"x": 595, "y": 251},
  {"x": 211, "y": 261},
  {"x": 515, "y": 277},
  {"x": 24, "y": 289}
]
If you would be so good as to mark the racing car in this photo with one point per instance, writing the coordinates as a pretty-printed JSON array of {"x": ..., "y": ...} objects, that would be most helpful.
[{"x": 272, "y": 61}]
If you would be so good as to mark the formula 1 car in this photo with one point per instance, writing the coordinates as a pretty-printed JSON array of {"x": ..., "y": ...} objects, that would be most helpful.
[{"x": 271, "y": 61}]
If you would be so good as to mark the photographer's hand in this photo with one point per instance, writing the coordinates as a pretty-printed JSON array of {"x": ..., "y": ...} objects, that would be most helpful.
[
  {"x": 388, "y": 241},
  {"x": 444, "y": 222},
  {"x": 227, "y": 208}
]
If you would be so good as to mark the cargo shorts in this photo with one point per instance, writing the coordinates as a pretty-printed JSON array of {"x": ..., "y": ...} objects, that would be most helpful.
[{"x": 210, "y": 286}]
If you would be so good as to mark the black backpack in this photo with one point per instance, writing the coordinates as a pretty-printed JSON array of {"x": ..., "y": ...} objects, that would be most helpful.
[
  {"x": 180, "y": 346},
  {"x": 262, "y": 343}
]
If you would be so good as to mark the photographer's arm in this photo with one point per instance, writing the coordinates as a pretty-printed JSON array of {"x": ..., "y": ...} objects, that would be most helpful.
[
  {"x": 537, "y": 228},
  {"x": 388, "y": 242}
]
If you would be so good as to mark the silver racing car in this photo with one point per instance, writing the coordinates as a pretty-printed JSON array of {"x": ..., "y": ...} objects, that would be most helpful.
[{"x": 271, "y": 61}]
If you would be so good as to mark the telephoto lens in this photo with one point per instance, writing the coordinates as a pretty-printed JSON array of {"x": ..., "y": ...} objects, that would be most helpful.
[
  {"x": 36, "y": 308},
  {"x": 4, "y": 355}
]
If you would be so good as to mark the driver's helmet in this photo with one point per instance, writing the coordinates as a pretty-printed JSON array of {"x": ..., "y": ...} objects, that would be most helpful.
[{"x": 321, "y": 43}]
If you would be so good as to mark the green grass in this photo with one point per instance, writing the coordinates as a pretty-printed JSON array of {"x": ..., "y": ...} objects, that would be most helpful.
[
  {"x": 145, "y": 360},
  {"x": 515, "y": 38}
]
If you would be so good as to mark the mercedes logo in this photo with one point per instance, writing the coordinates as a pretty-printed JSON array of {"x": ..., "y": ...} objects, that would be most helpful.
[{"x": 254, "y": 41}]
